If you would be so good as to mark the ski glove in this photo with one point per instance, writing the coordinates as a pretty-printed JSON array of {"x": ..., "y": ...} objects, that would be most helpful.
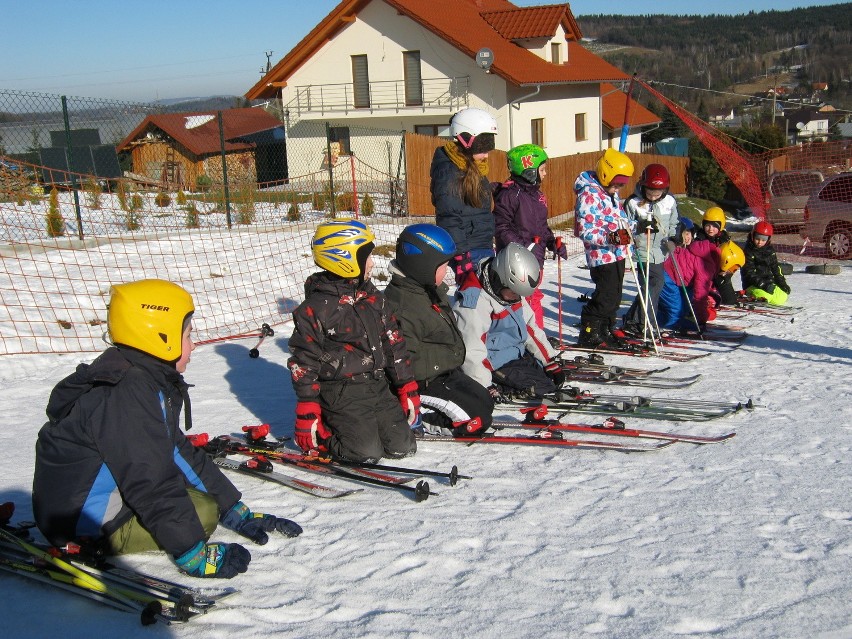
[
  {"x": 217, "y": 560},
  {"x": 785, "y": 287},
  {"x": 554, "y": 370},
  {"x": 462, "y": 265},
  {"x": 310, "y": 433},
  {"x": 409, "y": 399},
  {"x": 621, "y": 237},
  {"x": 254, "y": 526},
  {"x": 643, "y": 225},
  {"x": 559, "y": 248}
]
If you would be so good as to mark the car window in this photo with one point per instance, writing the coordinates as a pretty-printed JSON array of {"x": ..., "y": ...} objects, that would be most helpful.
[
  {"x": 795, "y": 183},
  {"x": 838, "y": 190}
]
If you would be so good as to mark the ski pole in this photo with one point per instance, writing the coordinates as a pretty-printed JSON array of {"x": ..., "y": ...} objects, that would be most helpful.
[
  {"x": 647, "y": 327},
  {"x": 265, "y": 331},
  {"x": 453, "y": 475},
  {"x": 629, "y": 257},
  {"x": 558, "y": 244}
]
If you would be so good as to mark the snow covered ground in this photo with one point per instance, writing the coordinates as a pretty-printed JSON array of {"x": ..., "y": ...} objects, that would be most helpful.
[{"x": 748, "y": 539}]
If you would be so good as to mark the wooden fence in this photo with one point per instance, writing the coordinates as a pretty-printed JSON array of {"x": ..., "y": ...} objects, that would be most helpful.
[{"x": 558, "y": 186}]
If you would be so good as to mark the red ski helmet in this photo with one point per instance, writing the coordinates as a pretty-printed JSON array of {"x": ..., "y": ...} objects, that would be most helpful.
[
  {"x": 655, "y": 176},
  {"x": 762, "y": 228}
]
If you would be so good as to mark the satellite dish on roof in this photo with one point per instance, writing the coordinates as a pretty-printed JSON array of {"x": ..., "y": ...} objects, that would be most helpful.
[
  {"x": 484, "y": 58},
  {"x": 193, "y": 121}
]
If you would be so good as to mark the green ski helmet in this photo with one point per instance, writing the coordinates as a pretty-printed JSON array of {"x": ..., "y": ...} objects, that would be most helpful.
[{"x": 524, "y": 161}]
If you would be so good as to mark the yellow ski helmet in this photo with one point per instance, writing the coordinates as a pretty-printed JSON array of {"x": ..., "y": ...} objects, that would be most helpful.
[
  {"x": 149, "y": 315},
  {"x": 715, "y": 215},
  {"x": 612, "y": 164},
  {"x": 336, "y": 247},
  {"x": 731, "y": 256}
]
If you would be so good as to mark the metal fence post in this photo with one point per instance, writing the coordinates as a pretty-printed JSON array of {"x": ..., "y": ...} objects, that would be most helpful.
[
  {"x": 330, "y": 170},
  {"x": 69, "y": 157},
  {"x": 227, "y": 191}
]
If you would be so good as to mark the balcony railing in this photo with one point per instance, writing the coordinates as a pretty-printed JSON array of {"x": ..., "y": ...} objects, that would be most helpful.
[{"x": 447, "y": 94}]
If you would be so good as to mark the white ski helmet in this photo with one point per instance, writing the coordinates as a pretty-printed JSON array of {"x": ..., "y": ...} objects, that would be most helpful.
[{"x": 468, "y": 124}]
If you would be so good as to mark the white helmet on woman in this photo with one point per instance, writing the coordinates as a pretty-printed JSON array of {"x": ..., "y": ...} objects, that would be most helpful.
[{"x": 469, "y": 124}]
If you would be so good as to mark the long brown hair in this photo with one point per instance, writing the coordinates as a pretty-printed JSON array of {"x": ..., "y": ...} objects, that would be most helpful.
[{"x": 472, "y": 191}]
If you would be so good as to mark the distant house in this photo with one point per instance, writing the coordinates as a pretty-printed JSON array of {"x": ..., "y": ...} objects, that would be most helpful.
[
  {"x": 721, "y": 115},
  {"x": 804, "y": 125},
  {"x": 176, "y": 148},
  {"x": 411, "y": 64}
]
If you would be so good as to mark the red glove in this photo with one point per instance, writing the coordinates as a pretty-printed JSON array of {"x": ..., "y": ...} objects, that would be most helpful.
[
  {"x": 621, "y": 237},
  {"x": 559, "y": 247},
  {"x": 310, "y": 433},
  {"x": 409, "y": 399},
  {"x": 711, "y": 309}
]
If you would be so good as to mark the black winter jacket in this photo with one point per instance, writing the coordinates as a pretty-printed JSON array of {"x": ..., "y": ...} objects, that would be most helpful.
[
  {"x": 343, "y": 330},
  {"x": 428, "y": 325},
  {"x": 113, "y": 448},
  {"x": 469, "y": 226},
  {"x": 761, "y": 268}
]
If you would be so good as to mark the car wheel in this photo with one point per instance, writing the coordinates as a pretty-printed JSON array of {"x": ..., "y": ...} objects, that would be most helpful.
[
  {"x": 838, "y": 242},
  {"x": 786, "y": 268},
  {"x": 823, "y": 269}
]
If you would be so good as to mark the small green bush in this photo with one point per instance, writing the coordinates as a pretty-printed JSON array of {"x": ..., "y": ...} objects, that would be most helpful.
[
  {"x": 192, "y": 221},
  {"x": 180, "y": 198},
  {"x": 293, "y": 212},
  {"x": 54, "y": 222},
  {"x": 368, "y": 208},
  {"x": 203, "y": 183},
  {"x": 162, "y": 200},
  {"x": 121, "y": 193},
  {"x": 93, "y": 193},
  {"x": 345, "y": 201},
  {"x": 318, "y": 201}
]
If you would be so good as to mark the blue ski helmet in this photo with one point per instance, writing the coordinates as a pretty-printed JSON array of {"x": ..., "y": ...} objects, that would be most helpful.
[{"x": 421, "y": 249}]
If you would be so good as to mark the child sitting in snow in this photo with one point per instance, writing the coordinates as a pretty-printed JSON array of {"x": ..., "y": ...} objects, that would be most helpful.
[
  {"x": 506, "y": 350},
  {"x": 686, "y": 281},
  {"x": 761, "y": 275},
  {"x": 355, "y": 387}
]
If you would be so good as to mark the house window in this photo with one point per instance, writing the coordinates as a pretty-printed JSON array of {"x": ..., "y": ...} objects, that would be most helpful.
[
  {"x": 556, "y": 53},
  {"x": 435, "y": 130},
  {"x": 413, "y": 81},
  {"x": 339, "y": 135},
  {"x": 580, "y": 127},
  {"x": 537, "y": 131},
  {"x": 360, "y": 82}
]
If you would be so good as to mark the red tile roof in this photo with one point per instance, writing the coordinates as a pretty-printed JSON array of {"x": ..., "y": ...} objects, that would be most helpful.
[
  {"x": 614, "y": 101},
  {"x": 532, "y": 22},
  {"x": 465, "y": 25},
  {"x": 202, "y": 136}
]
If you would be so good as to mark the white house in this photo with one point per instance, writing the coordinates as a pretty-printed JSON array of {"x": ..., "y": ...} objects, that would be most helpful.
[{"x": 411, "y": 64}]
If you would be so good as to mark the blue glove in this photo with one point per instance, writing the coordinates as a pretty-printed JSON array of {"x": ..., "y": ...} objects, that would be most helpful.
[
  {"x": 255, "y": 525},
  {"x": 220, "y": 561}
]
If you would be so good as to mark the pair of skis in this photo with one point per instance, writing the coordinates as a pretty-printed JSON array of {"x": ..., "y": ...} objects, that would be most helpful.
[
  {"x": 262, "y": 453},
  {"x": 153, "y": 599},
  {"x": 613, "y": 376},
  {"x": 672, "y": 409}
]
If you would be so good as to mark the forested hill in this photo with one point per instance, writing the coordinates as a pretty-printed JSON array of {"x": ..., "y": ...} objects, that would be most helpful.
[{"x": 718, "y": 51}]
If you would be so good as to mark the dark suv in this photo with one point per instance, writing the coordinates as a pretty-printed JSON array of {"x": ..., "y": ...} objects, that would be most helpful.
[{"x": 828, "y": 216}]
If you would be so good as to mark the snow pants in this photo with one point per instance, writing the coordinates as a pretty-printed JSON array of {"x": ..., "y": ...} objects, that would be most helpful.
[
  {"x": 524, "y": 374},
  {"x": 452, "y": 401},
  {"x": 606, "y": 299},
  {"x": 365, "y": 419},
  {"x": 777, "y": 297}
]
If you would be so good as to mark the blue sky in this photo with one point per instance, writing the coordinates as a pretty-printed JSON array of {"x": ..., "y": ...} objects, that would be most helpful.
[{"x": 185, "y": 48}]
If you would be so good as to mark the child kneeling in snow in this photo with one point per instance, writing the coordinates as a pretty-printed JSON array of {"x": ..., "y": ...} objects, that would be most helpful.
[
  {"x": 350, "y": 369},
  {"x": 686, "y": 281},
  {"x": 452, "y": 402}
]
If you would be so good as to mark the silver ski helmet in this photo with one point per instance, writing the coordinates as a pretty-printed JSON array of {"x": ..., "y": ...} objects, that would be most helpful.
[{"x": 516, "y": 268}]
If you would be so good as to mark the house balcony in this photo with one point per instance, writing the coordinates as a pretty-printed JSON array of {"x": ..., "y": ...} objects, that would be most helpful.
[{"x": 438, "y": 95}]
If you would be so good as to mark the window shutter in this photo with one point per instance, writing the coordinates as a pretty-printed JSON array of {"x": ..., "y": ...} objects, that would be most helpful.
[
  {"x": 360, "y": 82},
  {"x": 413, "y": 81}
]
